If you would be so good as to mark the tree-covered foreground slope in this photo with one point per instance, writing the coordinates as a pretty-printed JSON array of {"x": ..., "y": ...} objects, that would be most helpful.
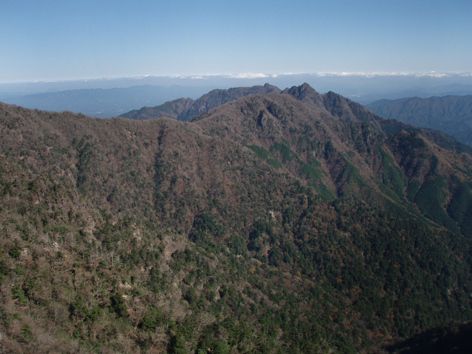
[{"x": 280, "y": 223}]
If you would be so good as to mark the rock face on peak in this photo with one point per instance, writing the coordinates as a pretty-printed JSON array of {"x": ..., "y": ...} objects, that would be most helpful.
[
  {"x": 306, "y": 94},
  {"x": 273, "y": 222}
]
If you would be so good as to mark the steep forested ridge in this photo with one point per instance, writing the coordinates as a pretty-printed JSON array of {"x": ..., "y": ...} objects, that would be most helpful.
[{"x": 287, "y": 222}]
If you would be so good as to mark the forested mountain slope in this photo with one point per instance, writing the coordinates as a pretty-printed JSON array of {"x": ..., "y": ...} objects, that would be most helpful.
[{"x": 275, "y": 223}]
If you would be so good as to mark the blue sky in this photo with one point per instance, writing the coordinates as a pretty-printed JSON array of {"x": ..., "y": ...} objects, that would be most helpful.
[{"x": 68, "y": 40}]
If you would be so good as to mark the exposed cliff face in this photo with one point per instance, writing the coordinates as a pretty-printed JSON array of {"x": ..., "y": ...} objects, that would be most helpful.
[{"x": 286, "y": 220}]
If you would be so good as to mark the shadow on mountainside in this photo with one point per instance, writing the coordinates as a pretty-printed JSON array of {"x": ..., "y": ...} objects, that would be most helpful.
[{"x": 456, "y": 339}]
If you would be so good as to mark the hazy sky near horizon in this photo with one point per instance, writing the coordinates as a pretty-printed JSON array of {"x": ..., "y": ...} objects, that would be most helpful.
[{"x": 68, "y": 40}]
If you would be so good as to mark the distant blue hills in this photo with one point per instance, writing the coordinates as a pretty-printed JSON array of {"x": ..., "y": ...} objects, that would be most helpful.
[
  {"x": 105, "y": 103},
  {"x": 449, "y": 114}
]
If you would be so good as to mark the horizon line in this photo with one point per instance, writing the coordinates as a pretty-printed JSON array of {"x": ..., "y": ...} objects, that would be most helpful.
[{"x": 253, "y": 76}]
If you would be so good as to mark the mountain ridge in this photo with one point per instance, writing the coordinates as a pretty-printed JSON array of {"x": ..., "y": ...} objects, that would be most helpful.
[
  {"x": 267, "y": 224},
  {"x": 194, "y": 108}
]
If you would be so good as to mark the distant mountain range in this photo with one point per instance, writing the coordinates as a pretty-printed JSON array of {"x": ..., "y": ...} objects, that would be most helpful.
[
  {"x": 105, "y": 103},
  {"x": 277, "y": 222},
  {"x": 450, "y": 114},
  {"x": 112, "y": 97}
]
